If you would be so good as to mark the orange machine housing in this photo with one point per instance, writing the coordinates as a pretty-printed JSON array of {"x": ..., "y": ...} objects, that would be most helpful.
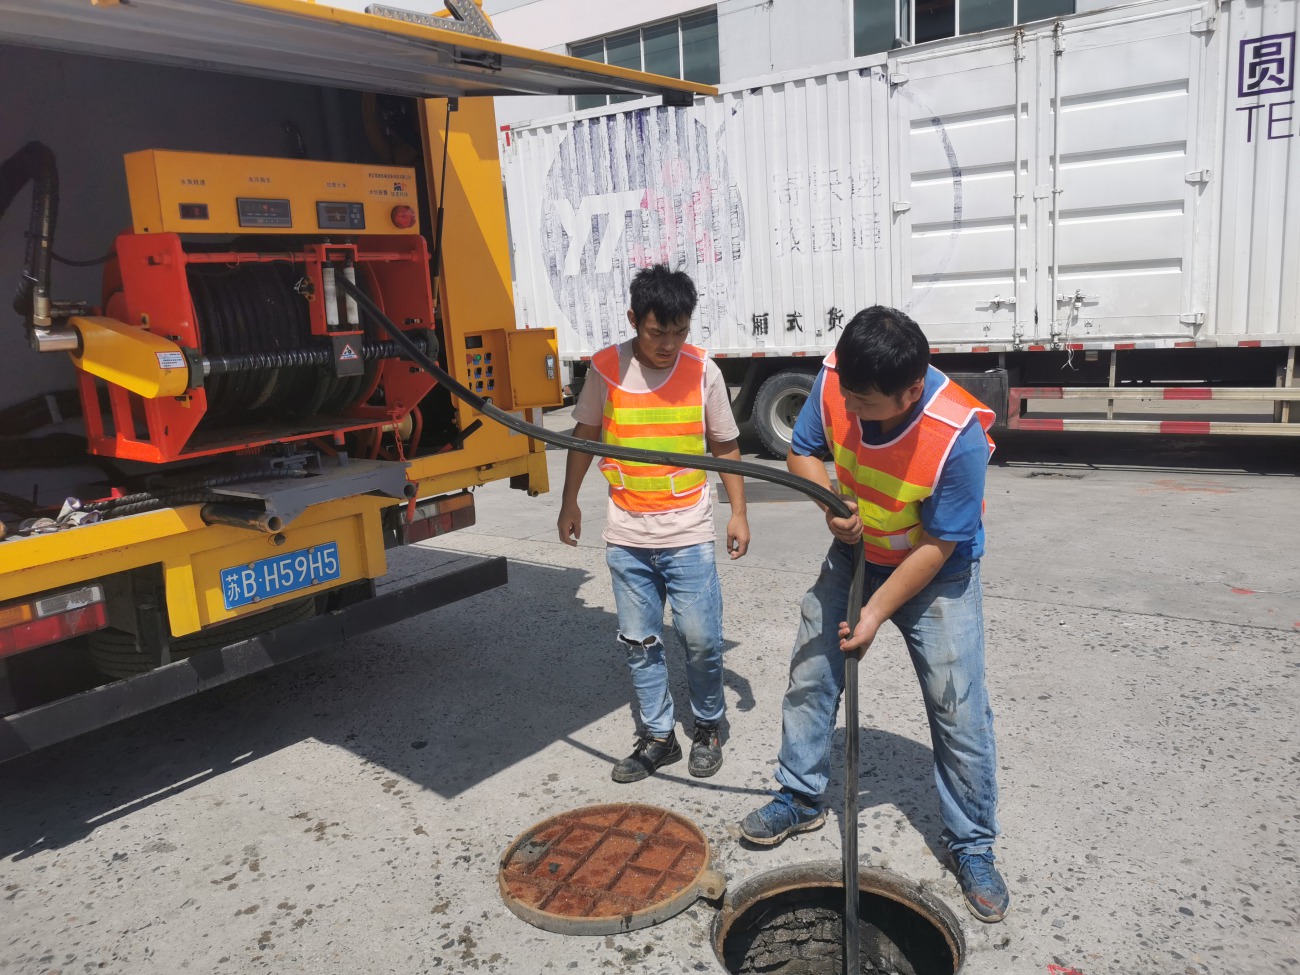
[{"x": 150, "y": 284}]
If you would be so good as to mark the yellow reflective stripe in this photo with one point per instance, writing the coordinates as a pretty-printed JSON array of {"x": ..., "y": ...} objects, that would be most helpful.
[
  {"x": 882, "y": 519},
  {"x": 888, "y": 521},
  {"x": 674, "y": 445},
  {"x": 882, "y": 482},
  {"x": 901, "y": 542},
  {"x": 677, "y": 484},
  {"x": 654, "y": 414}
]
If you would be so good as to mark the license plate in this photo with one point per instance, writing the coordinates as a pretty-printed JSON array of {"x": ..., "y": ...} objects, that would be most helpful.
[{"x": 253, "y": 582}]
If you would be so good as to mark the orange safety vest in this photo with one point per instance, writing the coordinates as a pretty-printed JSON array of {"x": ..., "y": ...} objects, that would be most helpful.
[
  {"x": 669, "y": 419},
  {"x": 889, "y": 481}
]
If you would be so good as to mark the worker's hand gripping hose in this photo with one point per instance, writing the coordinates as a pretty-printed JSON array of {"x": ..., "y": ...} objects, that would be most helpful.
[{"x": 834, "y": 501}]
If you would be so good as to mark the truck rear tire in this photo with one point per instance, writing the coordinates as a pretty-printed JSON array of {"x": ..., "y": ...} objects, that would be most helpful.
[
  {"x": 777, "y": 406},
  {"x": 114, "y": 654}
]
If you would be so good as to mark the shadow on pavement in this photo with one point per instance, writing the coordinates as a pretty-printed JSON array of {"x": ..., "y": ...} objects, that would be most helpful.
[{"x": 446, "y": 699}]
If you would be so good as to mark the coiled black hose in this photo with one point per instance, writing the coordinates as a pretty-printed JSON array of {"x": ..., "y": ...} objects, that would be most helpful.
[
  {"x": 832, "y": 500},
  {"x": 251, "y": 313}
]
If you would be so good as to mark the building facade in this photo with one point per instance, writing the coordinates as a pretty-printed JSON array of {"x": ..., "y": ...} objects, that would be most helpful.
[{"x": 731, "y": 41}]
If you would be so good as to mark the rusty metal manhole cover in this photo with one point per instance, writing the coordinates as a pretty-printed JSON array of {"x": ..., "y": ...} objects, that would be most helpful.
[{"x": 607, "y": 869}]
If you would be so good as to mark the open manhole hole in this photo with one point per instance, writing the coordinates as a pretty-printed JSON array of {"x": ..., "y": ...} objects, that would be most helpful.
[
  {"x": 790, "y": 922},
  {"x": 607, "y": 869}
]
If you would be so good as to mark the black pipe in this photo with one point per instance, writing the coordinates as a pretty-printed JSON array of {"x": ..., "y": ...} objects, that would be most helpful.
[
  {"x": 834, "y": 501},
  {"x": 34, "y": 163},
  {"x": 221, "y": 365}
]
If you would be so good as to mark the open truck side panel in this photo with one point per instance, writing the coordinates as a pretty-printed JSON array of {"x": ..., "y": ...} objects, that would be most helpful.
[{"x": 207, "y": 451}]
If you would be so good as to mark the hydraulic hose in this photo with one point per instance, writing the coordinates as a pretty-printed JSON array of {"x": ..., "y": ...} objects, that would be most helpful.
[
  {"x": 34, "y": 162},
  {"x": 815, "y": 491}
]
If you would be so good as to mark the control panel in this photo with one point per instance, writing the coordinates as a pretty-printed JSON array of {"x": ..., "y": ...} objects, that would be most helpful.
[{"x": 204, "y": 193}]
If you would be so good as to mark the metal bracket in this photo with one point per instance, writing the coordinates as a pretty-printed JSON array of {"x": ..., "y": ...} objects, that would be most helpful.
[
  {"x": 902, "y": 206},
  {"x": 997, "y": 301},
  {"x": 466, "y": 18},
  {"x": 1199, "y": 176},
  {"x": 478, "y": 59},
  {"x": 1205, "y": 26},
  {"x": 1192, "y": 319},
  {"x": 898, "y": 78}
]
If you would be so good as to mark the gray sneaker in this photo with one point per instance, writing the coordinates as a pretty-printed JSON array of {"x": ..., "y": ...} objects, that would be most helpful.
[
  {"x": 982, "y": 886},
  {"x": 769, "y": 825}
]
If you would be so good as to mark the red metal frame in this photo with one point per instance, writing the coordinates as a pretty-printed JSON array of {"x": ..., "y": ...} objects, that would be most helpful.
[{"x": 145, "y": 285}]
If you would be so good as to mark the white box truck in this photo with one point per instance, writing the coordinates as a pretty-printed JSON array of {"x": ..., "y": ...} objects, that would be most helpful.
[{"x": 1100, "y": 209}]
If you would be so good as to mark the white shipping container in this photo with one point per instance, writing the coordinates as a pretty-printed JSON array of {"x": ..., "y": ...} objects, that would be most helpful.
[{"x": 1120, "y": 178}]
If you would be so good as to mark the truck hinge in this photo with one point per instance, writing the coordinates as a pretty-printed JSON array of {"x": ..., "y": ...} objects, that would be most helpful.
[
  {"x": 1199, "y": 176},
  {"x": 1193, "y": 319},
  {"x": 898, "y": 78},
  {"x": 901, "y": 206},
  {"x": 1205, "y": 26}
]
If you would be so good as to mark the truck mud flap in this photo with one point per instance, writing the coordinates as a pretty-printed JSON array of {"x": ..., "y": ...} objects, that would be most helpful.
[{"x": 40, "y": 727}]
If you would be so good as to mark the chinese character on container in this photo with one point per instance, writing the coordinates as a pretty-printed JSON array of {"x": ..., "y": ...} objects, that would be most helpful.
[{"x": 1267, "y": 65}]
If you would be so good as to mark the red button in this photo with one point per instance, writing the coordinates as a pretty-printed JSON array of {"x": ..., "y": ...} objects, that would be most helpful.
[{"x": 403, "y": 217}]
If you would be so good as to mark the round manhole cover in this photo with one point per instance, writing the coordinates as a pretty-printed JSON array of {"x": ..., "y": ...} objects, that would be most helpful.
[{"x": 607, "y": 869}]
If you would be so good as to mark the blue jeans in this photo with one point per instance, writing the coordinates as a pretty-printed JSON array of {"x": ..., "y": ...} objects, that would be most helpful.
[
  {"x": 688, "y": 577},
  {"x": 943, "y": 627}
]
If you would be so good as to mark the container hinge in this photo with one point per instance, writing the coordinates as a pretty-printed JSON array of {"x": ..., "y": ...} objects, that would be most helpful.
[
  {"x": 1042, "y": 192},
  {"x": 1199, "y": 176},
  {"x": 1204, "y": 26},
  {"x": 901, "y": 206},
  {"x": 1193, "y": 319},
  {"x": 898, "y": 78}
]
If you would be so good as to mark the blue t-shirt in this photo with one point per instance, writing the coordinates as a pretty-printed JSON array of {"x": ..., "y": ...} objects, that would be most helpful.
[{"x": 954, "y": 512}]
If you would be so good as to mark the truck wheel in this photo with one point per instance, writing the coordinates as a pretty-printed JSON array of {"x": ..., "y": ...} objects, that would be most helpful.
[
  {"x": 777, "y": 406},
  {"x": 113, "y": 652}
]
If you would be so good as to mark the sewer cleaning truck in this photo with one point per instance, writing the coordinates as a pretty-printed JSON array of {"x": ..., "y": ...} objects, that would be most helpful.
[
  {"x": 1096, "y": 212},
  {"x": 208, "y": 451}
]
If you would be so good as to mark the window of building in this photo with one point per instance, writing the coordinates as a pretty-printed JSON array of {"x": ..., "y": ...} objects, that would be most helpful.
[
  {"x": 879, "y": 25},
  {"x": 686, "y": 47}
]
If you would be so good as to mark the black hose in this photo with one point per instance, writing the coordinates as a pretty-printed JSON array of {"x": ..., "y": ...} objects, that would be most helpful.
[
  {"x": 800, "y": 484},
  {"x": 34, "y": 163}
]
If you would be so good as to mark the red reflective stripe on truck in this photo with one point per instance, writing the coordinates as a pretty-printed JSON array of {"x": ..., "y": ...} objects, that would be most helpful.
[
  {"x": 1249, "y": 345},
  {"x": 1184, "y": 426},
  {"x": 1200, "y": 392},
  {"x": 1120, "y": 346},
  {"x": 1038, "y": 348},
  {"x": 1040, "y": 423}
]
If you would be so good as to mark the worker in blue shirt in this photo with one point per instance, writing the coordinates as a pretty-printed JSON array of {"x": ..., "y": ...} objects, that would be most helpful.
[{"x": 910, "y": 449}]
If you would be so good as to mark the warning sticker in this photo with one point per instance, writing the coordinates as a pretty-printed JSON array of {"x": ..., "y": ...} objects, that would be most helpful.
[
  {"x": 171, "y": 360},
  {"x": 348, "y": 354}
]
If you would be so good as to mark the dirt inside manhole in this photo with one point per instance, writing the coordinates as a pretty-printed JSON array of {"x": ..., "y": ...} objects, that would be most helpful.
[{"x": 789, "y": 922}]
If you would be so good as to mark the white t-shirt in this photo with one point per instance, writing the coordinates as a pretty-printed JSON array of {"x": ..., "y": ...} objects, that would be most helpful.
[{"x": 659, "y": 529}]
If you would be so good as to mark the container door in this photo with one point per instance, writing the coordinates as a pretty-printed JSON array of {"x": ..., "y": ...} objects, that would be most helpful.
[
  {"x": 954, "y": 131},
  {"x": 1120, "y": 261}
]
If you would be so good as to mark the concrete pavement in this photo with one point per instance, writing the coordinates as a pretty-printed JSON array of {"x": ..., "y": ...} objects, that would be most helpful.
[{"x": 345, "y": 814}]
